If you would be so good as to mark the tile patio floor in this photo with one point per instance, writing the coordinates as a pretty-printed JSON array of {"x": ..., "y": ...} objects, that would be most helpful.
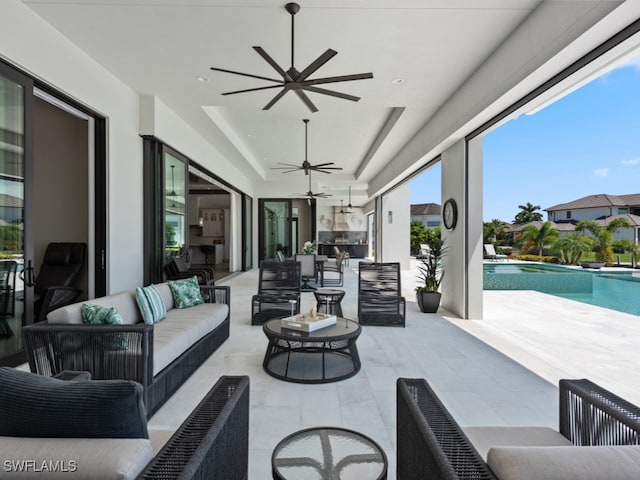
[{"x": 481, "y": 385}]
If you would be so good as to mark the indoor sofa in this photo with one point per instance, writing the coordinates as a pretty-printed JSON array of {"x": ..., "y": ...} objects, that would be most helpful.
[
  {"x": 598, "y": 438},
  {"x": 160, "y": 356},
  {"x": 90, "y": 429}
]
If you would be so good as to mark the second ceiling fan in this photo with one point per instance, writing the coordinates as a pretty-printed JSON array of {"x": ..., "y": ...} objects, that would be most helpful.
[
  {"x": 306, "y": 166},
  {"x": 297, "y": 81}
]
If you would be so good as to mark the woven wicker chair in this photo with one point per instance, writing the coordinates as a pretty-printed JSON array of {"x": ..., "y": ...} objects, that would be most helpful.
[
  {"x": 278, "y": 284},
  {"x": 431, "y": 444},
  {"x": 178, "y": 269},
  {"x": 213, "y": 442},
  {"x": 336, "y": 268},
  {"x": 380, "y": 302}
]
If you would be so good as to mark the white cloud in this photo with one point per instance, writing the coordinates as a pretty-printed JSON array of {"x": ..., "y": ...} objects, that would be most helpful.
[
  {"x": 601, "y": 172},
  {"x": 629, "y": 163}
]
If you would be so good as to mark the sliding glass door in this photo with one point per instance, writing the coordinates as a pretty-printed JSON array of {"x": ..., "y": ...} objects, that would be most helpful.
[
  {"x": 275, "y": 228},
  {"x": 16, "y": 244}
]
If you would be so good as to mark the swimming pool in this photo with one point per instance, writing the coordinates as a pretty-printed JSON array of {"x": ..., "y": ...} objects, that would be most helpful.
[{"x": 615, "y": 290}]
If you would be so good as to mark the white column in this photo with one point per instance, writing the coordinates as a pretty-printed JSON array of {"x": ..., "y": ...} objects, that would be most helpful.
[{"x": 462, "y": 182}]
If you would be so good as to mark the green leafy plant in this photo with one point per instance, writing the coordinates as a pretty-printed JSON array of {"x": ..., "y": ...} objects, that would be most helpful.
[{"x": 430, "y": 269}]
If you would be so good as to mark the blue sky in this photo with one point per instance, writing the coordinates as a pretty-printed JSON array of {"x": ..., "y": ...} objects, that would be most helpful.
[{"x": 585, "y": 143}]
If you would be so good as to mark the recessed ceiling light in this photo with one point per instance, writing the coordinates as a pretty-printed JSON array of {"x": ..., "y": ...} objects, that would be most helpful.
[
  {"x": 202, "y": 79},
  {"x": 397, "y": 81}
]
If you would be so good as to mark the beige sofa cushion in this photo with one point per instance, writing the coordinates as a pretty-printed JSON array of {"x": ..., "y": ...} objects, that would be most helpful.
[
  {"x": 64, "y": 458},
  {"x": 565, "y": 463},
  {"x": 125, "y": 302},
  {"x": 483, "y": 438},
  {"x": 182, "y": 328}
]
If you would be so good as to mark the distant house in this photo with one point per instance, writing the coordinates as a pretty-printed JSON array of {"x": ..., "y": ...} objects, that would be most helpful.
[
  {"x": 426, "y": 213},
  {"x": 602, "y": 208}
]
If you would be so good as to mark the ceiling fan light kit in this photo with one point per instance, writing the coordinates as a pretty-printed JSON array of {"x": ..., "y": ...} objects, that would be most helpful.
[{"x": 295, "y": 80}]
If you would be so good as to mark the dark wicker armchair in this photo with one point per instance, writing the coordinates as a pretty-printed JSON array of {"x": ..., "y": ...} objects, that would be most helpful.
[
  {"x": 380, "y": 302},
  {"x": 278, "y": 285},
  {"x": 213, "y": 442},
  {"x": 431, "y": 444},
  {"x": 335, "y": 269},
  {"x": 178, "y": 269}
]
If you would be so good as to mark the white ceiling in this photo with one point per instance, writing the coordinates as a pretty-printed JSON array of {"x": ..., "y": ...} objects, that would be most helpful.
[{"x": 160, "y": 47}]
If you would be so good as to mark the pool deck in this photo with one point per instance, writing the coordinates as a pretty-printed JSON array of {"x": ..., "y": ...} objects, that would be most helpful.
[{"x": 560, "y": 338}]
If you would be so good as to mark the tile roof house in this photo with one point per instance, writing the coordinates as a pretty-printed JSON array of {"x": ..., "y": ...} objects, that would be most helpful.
[
  {"x": 602, "y": 208},
  {"x": 427, "y": 213}
]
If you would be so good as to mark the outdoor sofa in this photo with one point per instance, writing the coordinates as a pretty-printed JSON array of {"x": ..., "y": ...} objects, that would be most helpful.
[
  {"x": 598, "y": 438},
  {"x": 98, "y": 429},
  {"x": 160, "y": 356}
]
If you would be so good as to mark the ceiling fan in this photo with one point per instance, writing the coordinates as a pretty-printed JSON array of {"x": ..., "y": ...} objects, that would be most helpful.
[
  {"x": 342, "y": 210},
  {"x": 310, "y": 195},
  {"x": 297, "y": 81},
  {"x": 306, "y": 166}
]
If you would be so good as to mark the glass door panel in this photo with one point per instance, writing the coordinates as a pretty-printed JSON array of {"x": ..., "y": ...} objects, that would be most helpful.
[
  {"x": 12, "y": 217},
  {"x": 247, "y": 233},
  {"x": 175, "y": 224},
  {"x": 276, "y": 228}
]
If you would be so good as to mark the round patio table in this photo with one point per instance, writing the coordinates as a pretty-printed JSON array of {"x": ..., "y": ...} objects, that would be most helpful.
[
  {"x": 328, "y": 453},
  {"x": 326, "y": 355}
]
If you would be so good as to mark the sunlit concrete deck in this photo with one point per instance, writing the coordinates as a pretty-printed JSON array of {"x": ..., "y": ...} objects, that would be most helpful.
[{"x": 481, "y": 385}]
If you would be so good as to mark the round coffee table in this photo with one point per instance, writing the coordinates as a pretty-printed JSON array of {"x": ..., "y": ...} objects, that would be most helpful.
[
  {"x": 328, "y": 452},
  {"x": 325, "y": 355}
]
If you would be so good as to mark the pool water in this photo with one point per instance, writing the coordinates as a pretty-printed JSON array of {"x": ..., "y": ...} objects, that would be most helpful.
[{"x": 614, "y": 290}]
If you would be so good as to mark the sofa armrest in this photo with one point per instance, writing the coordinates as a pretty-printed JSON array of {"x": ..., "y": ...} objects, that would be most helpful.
[
  {"x": 430, "y": 443},
  {"x": 216, "y": 294},
  {"x": 591, "y": 415},
  {"x": 105, "y": 351},
  {"x": 213, "y": 442}
]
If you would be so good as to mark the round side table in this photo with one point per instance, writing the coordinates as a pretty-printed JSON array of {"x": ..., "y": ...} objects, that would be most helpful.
[
  {"x": 328, "y": 453},
  {"x": 329, "y": 301}
]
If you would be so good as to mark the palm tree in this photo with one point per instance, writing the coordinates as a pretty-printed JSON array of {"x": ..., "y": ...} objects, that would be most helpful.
[
  {"x": 540, "y": 236},
  {"x": 527, "y": 214},
  {"x": 572, "y": 247},
  {"x": 603, "y": 235}
]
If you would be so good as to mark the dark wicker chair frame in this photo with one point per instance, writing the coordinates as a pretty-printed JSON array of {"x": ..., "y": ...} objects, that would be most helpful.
[
  {"x": 431, "y": 444},
  {"x": 177, "y": 269},
  {"x": 278, "y": 284},
  {"x": 120, "y": 352},
  {"x": 213, "y": 442},
  {"x": 380, "y": 302},
  {"x": 336, "y": 268}
]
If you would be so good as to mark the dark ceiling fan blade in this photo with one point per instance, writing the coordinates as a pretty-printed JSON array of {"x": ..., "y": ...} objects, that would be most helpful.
[
  {"x": 273, "y": 63},
  {"x": 332, "y": 93},
  {"x": 326, "y": 164},
  {"x": 316, "y": 64},
  {"x": 306, "y": 100},
  {"x": 273, "y": 101},
  {"x": 286, "y": 166},
  {"x": 251, "y": 90},
  {"x": 245, "y": 74},
  {"x": 339, "y": 78}
]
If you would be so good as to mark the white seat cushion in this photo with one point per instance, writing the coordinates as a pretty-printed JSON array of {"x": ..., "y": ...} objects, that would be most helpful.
[
  {"x": 565, "y": 463},
  {"x": 483, "y": 438},
  {"x": 182, "y": 328},
  {"x": 27, "y": 458}
]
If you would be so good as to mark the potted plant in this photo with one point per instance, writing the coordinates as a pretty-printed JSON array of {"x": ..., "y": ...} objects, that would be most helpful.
[{"x": 431, "y": 275}]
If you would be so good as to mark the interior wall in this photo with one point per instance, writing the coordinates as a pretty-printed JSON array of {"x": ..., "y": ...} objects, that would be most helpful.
[{"x": 61, "y": 181}]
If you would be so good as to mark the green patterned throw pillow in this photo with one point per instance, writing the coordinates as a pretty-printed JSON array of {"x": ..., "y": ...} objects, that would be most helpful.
[
  {"x": 99, "y": 315},
  {"x": 150, "y": 304},
  {"x": 186, "y": 293}
]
